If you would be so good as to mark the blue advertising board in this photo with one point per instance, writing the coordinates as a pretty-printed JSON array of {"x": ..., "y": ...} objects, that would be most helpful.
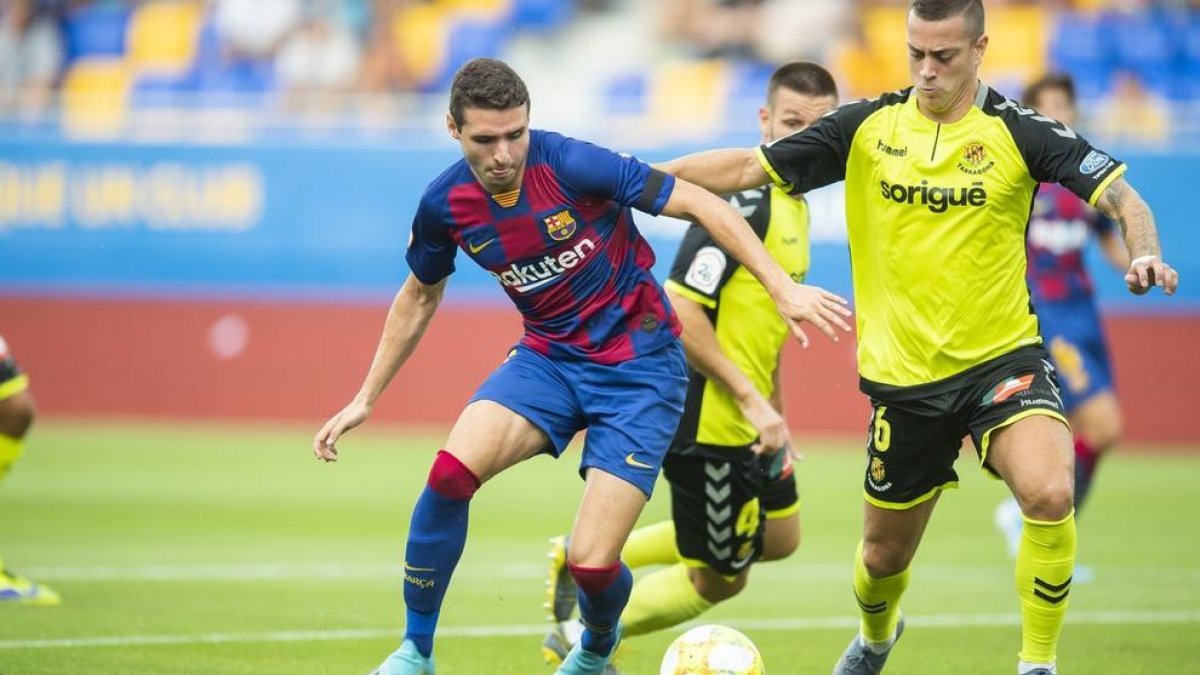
[{"x": 329, "y": 223}]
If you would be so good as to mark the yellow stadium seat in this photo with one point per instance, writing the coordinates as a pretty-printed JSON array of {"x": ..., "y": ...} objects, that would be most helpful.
[
  {"x": 420, "y": 33},
  {"x": 885, "y": 31},
  {"x": 688, "y": 98},
  {"x": 95, "y": 97},
  {"x": 479, "y": 8},
  {"x": 1017, "y": 48},
  {"x": 162, "y": 36}
]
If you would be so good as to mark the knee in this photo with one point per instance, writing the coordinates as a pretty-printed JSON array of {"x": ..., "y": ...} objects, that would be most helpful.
[
  {"x": 1105, "y": 431},
  {"x": 452, "y": 479},
  {"x": 884, "y": 559},
  {"x": 1049, "y": 501},
  {"x": 714, "y": 587},
  {"x": 778, "y": 546},
  {"x": 16, "y": 415}
]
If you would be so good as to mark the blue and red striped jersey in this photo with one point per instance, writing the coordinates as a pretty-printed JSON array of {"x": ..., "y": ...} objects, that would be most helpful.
[
  {"x": 564, "y": 248},
  {"x": 1059, "y": 227}
]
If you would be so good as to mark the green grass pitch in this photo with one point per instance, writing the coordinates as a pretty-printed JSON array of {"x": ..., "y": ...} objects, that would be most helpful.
[{"x": 226, "y": 549}]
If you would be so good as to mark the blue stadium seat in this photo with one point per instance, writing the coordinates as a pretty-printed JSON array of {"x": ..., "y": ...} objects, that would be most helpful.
[
  {"x": 541, "y": 15},
  {"x": 748, "y": 89},
  {"x": 627, "y": 94},
  {"x": 95, "y": 31},
  {"x": 1147, "y": 44},
  {"x": 467, "y": 38},
  {"x": 1079, "y": 45}
]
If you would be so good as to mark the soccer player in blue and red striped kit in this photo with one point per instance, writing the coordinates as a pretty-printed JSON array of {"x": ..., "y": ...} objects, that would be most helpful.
[{"x": 550, "y": 218}]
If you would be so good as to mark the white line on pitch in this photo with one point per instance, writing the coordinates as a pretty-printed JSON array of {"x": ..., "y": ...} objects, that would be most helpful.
[{"x": 1115, "y": 617}]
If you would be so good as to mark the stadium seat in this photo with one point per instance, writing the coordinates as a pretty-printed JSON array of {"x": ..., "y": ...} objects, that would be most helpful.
[
  {"x": 162, "y": 36},
  {"x": 1018, "y": 35},
  {"x": 627, "y": 94},
  {"x": 747, "y": 89},
  {"x": 887, "y": 44},
  {"x": 1079, "y": 45},
  {"x": 1147, "y": 44},
  {"x": 95, "y": 94},
  {"x": 480, "y": 9},
  {"x": 93, "y": 31},
  {"x": 541, "y": 15},
  {"x": 688, "y": 97},
  {"x": 419, "y": 33},
  {"x": 466, "y": 38}
]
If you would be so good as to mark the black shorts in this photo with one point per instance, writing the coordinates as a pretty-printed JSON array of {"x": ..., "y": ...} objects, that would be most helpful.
[
  {"x": 721, "y": 499},
  {"x": 913, "y": 441}
]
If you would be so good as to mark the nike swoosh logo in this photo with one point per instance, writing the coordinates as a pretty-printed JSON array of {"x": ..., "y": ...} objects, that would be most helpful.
[
  {"x": 476, "y": 249},
  {"x": 629, "y": 459}
]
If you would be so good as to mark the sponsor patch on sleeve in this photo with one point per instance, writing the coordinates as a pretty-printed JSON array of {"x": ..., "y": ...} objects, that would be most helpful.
[{"x": 706, "y": 269}]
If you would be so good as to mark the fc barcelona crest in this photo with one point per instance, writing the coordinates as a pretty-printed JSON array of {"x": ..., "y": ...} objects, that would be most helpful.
[{"x": 560, "y": 226}]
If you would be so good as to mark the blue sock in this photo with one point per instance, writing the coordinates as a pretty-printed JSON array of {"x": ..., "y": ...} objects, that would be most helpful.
[
  {"x": 436, "y": 538},
  {"x": 602, "y": 597}
]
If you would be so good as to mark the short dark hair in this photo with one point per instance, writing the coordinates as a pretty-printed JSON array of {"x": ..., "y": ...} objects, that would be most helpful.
[
  {"x": 486, "y": 83},
  {"x": 937, "y": 10},
  {"x": 1049, "y": 82},
  {"x": 802, "y": 77}
]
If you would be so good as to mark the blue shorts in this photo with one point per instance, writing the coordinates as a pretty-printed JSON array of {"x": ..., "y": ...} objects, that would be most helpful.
[
  {"x": 1075, "y": 340},
  {"x": 630, "y": 409}
]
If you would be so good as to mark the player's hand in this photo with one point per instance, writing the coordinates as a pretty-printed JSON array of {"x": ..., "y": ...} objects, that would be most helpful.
[
  {"x": 825, "y": 310},
  {"x": 325, "y": 442},
  {"x": 1148, "y": 271},
  {"x": 772, "y": 430}
]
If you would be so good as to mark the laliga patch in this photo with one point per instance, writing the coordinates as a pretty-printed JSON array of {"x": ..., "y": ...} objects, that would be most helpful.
[
  {"x": 706, "y": 270},
  {"x": 1094, "y": 162}
]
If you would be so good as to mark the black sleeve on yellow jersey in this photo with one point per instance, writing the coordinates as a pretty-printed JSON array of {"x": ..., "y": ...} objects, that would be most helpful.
[
  {"x": 1054, "y": 152},
  {"x": 701, "y": 266},
  {"x": 817, "y": 156}
]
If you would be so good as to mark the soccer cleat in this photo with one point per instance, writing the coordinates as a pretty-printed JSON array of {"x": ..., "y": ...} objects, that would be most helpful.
[
  {"x": 859, "y": 660},
  {"x": 1008, "y": 521},
  {"x": 18, "y": 590},
  {"x": 1040, "y": 671},
  {"x": 405, "y": 661},
  {"x": 555, "y": 646},
  {"x": 580, "y": 661},
  {"x": 560, "y": 586}
]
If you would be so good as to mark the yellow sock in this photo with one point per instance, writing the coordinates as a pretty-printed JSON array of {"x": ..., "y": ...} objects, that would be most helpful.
[
  {"x": 1045, "y": 562},
  {"x": 878, "y": 600},
  {"x": 10, "y": 451},
  {"x": 651, "y": 545},
  {"x": 662, "y": 599}
]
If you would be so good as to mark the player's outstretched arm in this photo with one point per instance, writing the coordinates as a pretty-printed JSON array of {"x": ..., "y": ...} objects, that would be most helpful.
[
  {"x": 719, "y": 171},
  {"x": 407, "y": 320},
  {"x": 1130, "y": 212},
  {"x": 796, "y": 302},
  {"x": 705, "y": 354}
]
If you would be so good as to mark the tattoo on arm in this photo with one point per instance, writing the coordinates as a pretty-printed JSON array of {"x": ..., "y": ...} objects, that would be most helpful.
[{"x": 1121, "y": 203}]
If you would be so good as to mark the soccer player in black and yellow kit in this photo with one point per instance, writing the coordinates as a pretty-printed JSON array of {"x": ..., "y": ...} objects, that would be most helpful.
[
  {"x": 733, "y": 492},
  {"x": 17, "y": 411},
  {"x": 939, "y": 182}
]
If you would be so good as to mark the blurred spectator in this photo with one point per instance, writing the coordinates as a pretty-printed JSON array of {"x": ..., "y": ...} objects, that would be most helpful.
[
  {"x": 384, "y": 68},
  {"x": 320, "y": 57},
  {"x": 1132, "y": 114},
  {"x": 31, "y": 53},
  {"x": 714, "y": 28},
  {"x": 254, "y": 29}
]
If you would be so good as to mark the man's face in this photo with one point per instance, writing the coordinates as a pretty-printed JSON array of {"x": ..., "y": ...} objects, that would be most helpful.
[
  {"x": 790, "y": 111},
  {"x": 943, "y": 60},
  {"x": 495, "y": 143},
  {"x": 1055, "y": 103}
]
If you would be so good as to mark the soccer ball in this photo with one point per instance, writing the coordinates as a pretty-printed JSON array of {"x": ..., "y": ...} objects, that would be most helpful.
[{"x": 712, "y": 650}]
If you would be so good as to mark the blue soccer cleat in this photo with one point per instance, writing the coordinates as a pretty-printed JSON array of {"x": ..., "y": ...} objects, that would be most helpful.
[
  {"x": 579, "y": 661},
  {"x": 858, "y": 660},
  {"x": 405, "y": 661}
]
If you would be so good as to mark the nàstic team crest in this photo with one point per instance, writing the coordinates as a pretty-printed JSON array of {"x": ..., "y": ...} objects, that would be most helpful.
[
  {"x": 878, "y": 473},
  {"x": 975, "y": 159},
  {"x": 560, "y": 226}
]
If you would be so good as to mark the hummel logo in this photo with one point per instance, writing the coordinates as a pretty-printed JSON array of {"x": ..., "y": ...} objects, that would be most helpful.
[
  {"x": 476, "y": 249},
  {"x": 629, "y": 459}
]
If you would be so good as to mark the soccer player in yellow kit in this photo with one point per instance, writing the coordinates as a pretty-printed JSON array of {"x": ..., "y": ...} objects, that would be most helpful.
[
  {"x": 17, "y": 411},
  {"x": 733, "y": 490},
  {"x": 939, "y": 182}
]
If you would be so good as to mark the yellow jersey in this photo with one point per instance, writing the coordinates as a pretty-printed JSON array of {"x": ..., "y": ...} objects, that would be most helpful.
[
  {"x": 749, "y": 329},
  {"x": 936, "y": 217}
]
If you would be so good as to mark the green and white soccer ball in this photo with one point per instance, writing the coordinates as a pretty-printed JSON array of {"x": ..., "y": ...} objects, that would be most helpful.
[{"x": 712, "y": 650}]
